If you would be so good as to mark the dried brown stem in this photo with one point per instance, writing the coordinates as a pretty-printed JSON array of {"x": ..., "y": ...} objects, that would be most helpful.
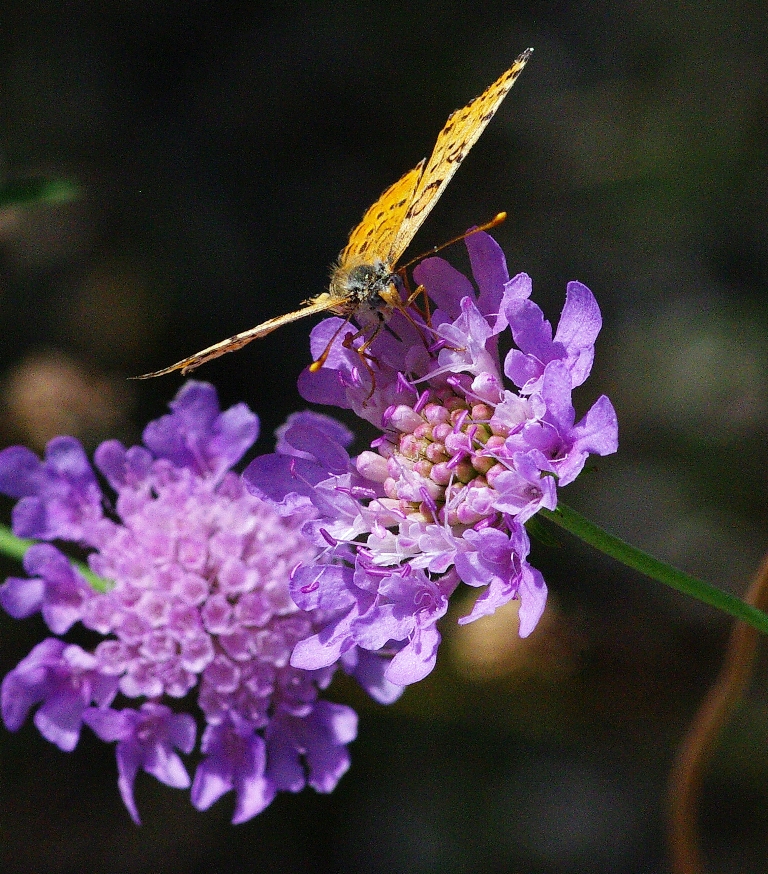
[{"x": 698, "y": 746}]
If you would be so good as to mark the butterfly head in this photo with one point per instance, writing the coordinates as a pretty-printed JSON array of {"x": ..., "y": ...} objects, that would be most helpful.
[{"x": 369, "y": 290}]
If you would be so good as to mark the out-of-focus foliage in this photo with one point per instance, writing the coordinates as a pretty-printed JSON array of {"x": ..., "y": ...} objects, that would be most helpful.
[{"x": 32, "y": 192}]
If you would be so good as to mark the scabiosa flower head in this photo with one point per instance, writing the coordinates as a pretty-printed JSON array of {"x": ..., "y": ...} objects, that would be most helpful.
[
  {"x": 465, "y": 458},
  {"x": 200, "y": 607}
]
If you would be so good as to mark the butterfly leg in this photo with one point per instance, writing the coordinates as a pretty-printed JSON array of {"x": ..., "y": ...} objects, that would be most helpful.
[
  {"x": 425, "y": 314},
  {"x": 362, "y": 350},
  {"x": 366, "y": 357},
  {"x": 320, "y": 361},
  {"x": 403, "y": 284}
]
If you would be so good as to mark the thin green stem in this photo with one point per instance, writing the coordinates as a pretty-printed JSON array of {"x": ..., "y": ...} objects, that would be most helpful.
[
  {"x": 16, "y": 547},
  {"x": 635, "y": 558},
  {"x": 11, "y": 545}
]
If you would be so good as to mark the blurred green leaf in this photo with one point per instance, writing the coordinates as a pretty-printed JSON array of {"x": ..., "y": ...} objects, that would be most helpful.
[{"x": 30, "y": 192}]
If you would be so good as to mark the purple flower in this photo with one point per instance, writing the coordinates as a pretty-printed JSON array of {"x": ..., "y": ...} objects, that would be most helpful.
[
  {"x": 310, "y": 750},
  {"x": 235, "y": 759},
  {"x": 463, "y": 461},
  {"x": 64, "y": 680},
  {"x": 55, "y": 589},
  {"x": 199, "y": 608},
  {"x": 497, "y": 561},
  {"x": 146, "y": 739},
  {"x": 59, "y": 498},
  {"x": 408, "y": 608},
  {"x": 398, "y": 617},
  {"x": 296, "y": 750}
]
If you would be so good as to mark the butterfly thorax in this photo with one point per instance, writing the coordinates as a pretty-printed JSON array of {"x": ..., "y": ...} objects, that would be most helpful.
[{"x": 369, "y": 291}]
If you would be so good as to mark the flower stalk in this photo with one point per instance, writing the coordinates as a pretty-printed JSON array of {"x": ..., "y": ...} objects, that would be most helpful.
[
  {"x": 16, "y": 548},
  {"x": 651, "y": 567},
  {"x": 698, "y": 746}
]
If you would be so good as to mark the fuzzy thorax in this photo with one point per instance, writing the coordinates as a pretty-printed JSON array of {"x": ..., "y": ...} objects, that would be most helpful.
[{"x": 369, "y": 291}]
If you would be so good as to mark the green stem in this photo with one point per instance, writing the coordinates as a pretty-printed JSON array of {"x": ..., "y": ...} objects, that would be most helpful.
[
  {"x": 11, "y": 545},
  {"x": 16, "y": 547},
  {"x": 653, "y": 568}
]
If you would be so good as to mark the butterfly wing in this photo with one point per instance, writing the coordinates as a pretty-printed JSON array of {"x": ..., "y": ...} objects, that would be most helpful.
[
  {"x": 321, "y": 303},
  {"x": 371, "y": 238},
  {"x": 390, "y": 224},
  {"x": 374, "y": 236},
  {"x": 460, "y": 133}
]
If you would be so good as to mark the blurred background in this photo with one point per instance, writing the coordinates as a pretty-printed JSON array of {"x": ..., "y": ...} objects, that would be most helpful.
[{"x": 222, "y": 152}]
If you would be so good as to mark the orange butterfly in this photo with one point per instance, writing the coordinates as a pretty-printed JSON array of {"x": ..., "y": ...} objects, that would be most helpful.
[{"x": 364, "y": 280}]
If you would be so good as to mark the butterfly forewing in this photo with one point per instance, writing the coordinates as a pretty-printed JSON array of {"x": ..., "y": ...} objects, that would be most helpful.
[{"x": 454, "y": 141}]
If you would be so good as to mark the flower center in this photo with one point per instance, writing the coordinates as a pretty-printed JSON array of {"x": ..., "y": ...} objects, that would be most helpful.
[{"x": 440, "y": 459}]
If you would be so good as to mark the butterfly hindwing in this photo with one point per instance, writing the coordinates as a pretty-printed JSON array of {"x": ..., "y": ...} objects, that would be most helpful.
[
  {"x": 374, "y": 235},
  {"x": 320, "y": 304}
]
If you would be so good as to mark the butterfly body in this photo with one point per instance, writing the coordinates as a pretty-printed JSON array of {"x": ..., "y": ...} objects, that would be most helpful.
[
  {"x": 366, "y": 283},
  {"x": 366, "y": 289}
]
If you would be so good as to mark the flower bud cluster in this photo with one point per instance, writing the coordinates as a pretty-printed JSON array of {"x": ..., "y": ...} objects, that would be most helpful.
[
  {"x": 441, "y": 460},
  {"x": 198, "y": 609}
]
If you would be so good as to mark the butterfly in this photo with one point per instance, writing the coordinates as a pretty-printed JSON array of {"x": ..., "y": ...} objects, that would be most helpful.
[{"x": 365, "y": 280}]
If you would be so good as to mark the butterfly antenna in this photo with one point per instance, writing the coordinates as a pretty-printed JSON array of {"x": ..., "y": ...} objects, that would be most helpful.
[{"x": 494, "y": 222}]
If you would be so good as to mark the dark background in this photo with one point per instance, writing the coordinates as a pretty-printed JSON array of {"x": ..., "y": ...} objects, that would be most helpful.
[{"x": 223, "y": 151}]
